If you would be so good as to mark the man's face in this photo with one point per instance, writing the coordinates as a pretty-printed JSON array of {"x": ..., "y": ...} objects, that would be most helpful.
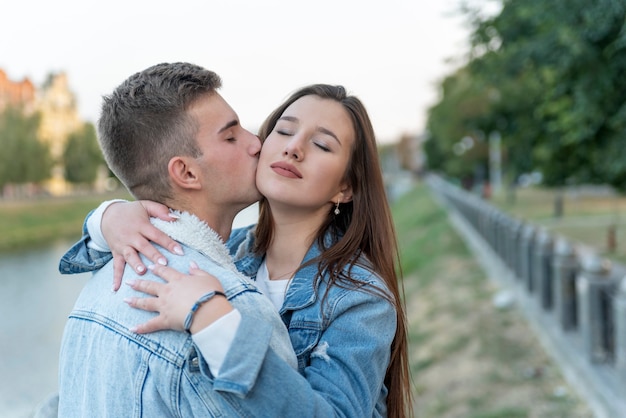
[{"x": 230, "y": 154}]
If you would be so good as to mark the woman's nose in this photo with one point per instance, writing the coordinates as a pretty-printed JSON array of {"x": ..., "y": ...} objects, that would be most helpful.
[{"x": 293, "y": 150}]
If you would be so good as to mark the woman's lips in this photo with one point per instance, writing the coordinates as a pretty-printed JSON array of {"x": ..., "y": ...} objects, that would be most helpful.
[{"x": 286, "y": 170}]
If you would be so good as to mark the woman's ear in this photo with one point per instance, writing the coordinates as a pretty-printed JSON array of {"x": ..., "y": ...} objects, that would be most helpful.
[
  {"x": 346, "y": 194},
  {"x": 182, "y": 172}
]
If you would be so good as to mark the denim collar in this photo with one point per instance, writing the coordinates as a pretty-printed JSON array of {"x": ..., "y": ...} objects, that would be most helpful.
[
  {"x": 195, "y": 233},
  {"x": 302, "y": 289}
]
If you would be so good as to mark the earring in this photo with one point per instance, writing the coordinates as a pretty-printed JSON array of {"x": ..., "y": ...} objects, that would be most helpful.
[{"x": 337, "y": 211}]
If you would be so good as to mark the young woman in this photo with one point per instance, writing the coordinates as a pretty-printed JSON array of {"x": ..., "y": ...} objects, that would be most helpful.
[{"x": 324, "y": 250}]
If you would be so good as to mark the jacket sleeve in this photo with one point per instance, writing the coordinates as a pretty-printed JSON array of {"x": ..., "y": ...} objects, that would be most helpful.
[
  {"x": 80, "y": 258},
  {"x": 344, "y": 376}
]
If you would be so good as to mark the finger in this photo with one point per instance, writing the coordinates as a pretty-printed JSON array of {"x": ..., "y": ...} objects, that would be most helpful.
[
  {"x": 165, "y": 272},
  {"x": 155, "y": 324},
  {"x": 146, "y": 248},
  {"x": 146, "y": 286},
  {"x": 194, "y": 270},
  {"x": 118, "y": 271},
  {"x": 156, "y": 235},
  {"x": 130, "y": 256},
  {"x": 145, "y": 304},
  {"x": 157, "y": 210}
]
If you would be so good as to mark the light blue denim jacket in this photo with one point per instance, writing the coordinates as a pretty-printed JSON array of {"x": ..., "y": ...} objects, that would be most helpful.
[
  {"x": 107, "y": 370},
  {"x": 343, "y": 344}
]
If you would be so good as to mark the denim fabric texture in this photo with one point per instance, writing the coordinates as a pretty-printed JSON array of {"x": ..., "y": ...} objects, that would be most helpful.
[
  {"x": 342, "y": 342},
  {"x": 107, "y": 370}
]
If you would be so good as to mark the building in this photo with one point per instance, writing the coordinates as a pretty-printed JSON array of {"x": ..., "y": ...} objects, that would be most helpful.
[
  {"x": 20, "y": 93},
  {"x": 59, "y": 118},
  {"x": 57, "y": 106}
]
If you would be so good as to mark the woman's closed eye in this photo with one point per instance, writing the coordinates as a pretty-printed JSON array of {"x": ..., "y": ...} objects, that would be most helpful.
[{"x": 322, "y": 146}]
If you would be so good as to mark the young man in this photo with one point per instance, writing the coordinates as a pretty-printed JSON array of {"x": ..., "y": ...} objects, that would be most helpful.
[{"x": 169, "y": 136}]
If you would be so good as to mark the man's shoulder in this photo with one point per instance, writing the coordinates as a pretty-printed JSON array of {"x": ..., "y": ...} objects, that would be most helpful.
[{"x": 231, "y": 279}]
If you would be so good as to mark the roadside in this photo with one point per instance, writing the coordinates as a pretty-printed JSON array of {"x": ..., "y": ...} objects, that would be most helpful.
[{"x": 468, "y": 357}]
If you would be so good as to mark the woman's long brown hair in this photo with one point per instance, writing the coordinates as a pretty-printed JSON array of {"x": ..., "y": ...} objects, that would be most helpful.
[{"x": 371, "y": 233}]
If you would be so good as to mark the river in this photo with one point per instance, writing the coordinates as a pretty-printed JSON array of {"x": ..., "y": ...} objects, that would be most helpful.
[{"x": 35, "y": 300}]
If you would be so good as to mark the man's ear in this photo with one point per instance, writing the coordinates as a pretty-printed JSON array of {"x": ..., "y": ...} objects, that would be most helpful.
[{"x": 183, "y": 172}]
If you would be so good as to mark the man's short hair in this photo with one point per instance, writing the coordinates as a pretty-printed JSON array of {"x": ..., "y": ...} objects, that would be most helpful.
[{"x": 144, "y": 123}]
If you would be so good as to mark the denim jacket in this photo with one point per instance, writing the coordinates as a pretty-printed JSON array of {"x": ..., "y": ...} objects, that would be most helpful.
[
  {"x": 342, "y": 340},
  {"x": 343, "y": 344},
  {"x": 105, "y": 369}
]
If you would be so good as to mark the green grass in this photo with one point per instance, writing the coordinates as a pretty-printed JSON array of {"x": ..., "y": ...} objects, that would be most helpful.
[
  {"x": 35, "y": 222},
  {"x": 467, "y": 358},
  {"x": 586, "y": 218}
]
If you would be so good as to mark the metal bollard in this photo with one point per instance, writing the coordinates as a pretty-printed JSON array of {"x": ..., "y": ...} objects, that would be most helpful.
[
  {"x": 502, "y": 231},
  {"x": 542, "y": 275},
  {"x": 619, "y": 316},
  {"x": 594, "y": 289},
  {"x": 491, "y": 227},
  {"x": 565, "y": 267},
  {"x": 513, "y": 246},
  {"x": 526, "y": 256}
]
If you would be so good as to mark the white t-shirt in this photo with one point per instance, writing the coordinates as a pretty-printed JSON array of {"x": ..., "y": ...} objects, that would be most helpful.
[{"x": 275, "y": 290}]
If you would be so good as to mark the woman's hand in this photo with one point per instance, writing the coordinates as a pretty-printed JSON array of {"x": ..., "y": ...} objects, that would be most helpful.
[
  {"x": 176, "y": 296},
  {"x": 127, "y": 229}
]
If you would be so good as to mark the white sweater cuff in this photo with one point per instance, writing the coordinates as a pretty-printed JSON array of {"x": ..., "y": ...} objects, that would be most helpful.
[
  {"x": 215, "y": 340},
  {"x": 94, "y": 222}
]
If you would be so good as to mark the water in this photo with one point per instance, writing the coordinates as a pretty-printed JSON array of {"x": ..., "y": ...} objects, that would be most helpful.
[{"x": 35, "y": 300}]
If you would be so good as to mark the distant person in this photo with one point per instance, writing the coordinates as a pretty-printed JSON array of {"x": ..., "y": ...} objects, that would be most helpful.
[
  {"x": 168, "y": 135},
  {"x": 324, "y": 252}
]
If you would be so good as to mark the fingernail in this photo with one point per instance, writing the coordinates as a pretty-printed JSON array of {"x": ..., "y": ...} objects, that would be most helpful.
[
  {"x": 128, "y": 300},
  {"x": 178, "y": 250},
  {"x": 113, "y": 290},
  {"x": 162, "y": 261},
  {"x": 193, "y": 264},
  {"x": 141, "y": 269},
  {"x": 151, "y": 267},
  {"x": 130, "y": 282},
  {"x": 133, "y": 329},
  {"x": 174, "y": 216}
]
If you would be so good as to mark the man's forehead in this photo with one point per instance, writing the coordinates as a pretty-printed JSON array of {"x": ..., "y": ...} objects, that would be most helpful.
[{"x": 214, "y": 113}]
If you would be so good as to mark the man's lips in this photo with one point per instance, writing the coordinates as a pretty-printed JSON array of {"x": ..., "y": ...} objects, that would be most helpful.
[{"x": 286, "y": 170}]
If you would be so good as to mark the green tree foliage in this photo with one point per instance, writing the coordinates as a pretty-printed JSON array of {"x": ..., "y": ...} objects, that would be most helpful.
[
  {"x": 457, "y": 116},
  {"x": 24, "y": 158},
  {"x": 82, "y": 156},
  {"x": 549, "y": 76}
]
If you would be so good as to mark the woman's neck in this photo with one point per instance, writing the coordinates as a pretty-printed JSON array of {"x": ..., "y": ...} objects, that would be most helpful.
[{"x": 291, "y": 240}]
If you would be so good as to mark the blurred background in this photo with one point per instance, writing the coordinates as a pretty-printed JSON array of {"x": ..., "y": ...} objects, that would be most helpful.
[{"x": 520, "y": 103}]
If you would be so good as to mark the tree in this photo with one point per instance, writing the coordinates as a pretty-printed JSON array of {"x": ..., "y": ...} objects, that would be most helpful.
[
  {"x": 82, "y": 156},
  {"x": 548, "y": 76},
  {"x": 24, "y": 158}
]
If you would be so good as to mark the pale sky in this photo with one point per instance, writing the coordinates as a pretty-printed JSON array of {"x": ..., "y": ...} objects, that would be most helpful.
[{"x": 391, "y": 53}]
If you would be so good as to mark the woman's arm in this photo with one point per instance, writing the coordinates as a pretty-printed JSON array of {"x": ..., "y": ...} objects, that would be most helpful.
[
  {"x": 127, "y": 230},
  {"x": 343, "y": 375}
]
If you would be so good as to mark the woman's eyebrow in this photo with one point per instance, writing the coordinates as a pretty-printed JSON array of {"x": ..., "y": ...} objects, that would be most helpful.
[
  {"x": 328, "y": 132},
  {"x": 319, "y": 128}
]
